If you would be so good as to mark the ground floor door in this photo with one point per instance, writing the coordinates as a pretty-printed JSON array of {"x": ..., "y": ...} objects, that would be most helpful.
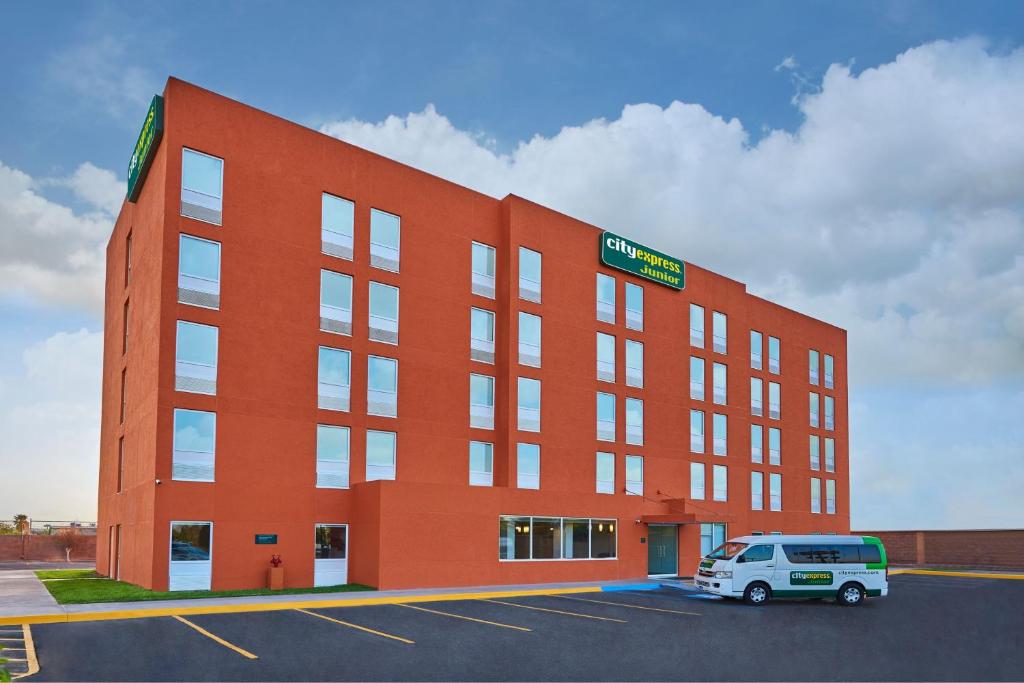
[
  {"x": 662, "y": 550},
  {"x": 330, "y": 548},
  {"x": 117, "y": 553},
  {"x": 191, "y": 560}
]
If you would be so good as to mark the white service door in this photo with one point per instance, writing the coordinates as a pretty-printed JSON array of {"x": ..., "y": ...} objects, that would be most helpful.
[
  {"x": 330, "y": 548},
  {"x": 191, "y": 562}
]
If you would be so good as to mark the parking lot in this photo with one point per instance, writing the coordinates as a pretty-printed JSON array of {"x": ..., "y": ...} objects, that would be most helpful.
[{"x": 933, "y": 628}]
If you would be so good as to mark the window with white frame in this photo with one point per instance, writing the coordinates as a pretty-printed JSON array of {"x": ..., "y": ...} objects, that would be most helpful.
[
  {"x": 757, "y": 491},
  {"x": 481, "y": 401},
  {"x": 634, "y": 364},
  {"x": 720, "y": 434},
  {"x": 529, "y": 339},
  {"x": 711, "y": 536},
  {"x": 202, "y": 186},
  {"x": 335, "y": 302},
  {"x": 334, "y": 378},
  {"x": 605, "y": 298},
  {"x": 634, "y": 475},
  {"x": 774, "y": 446},
  {"x": 529, "y": 275},
  {"x": 481, "y": 463},
  {"x": 385, "y": 240},
  {"x": 830, "y": 496},
  {"x": 195, "y": 358},
  {"x": 483, "y": 270},
  {"x": 815, "y": 495},
  {"x": 720, "y": 482},
  {"x": 756, "y": 443},
  {"x": 195, "y": 437},
  {"x": 529, "y": 404},
  {"x": 605, "y": 465},
  {"x": 697, "y": 481},
  {"x": 381, "y": 386},
  {"x": 815, "y": 458},
  {"x": 697, "y": 431},
  {"x": 527, "y": 466},
  {"x": 332, "y": 457},
  {"x": 812, "y": 366},
  {"x": 605, "y": 357},
  {"x": 381, "y": 455},
  {"x": 696, "y": 326},
  {"x": 756, "y": 396},
  {"x": 756, "y": 349},
  {"x": 718, "y": 380},
  {"x": 199, "y": 272},
  {"x": 337, "y": 221},
  {"x": 481, "y": 335},
  {"x": 605, "y": 416},
  {"x": 383, "y": 313},
  {"x": 813, "y": 403},
  {"x": 774, "y": 355},
  {"x": 719, "y": 323},
  {"x": 775, "y": 492},
  {"x": 829, "y": 372},
  {"x": 555, "y": 538},
  {"x": 634, "y": 421},
  {"x": 696, "y": 378},
  {"x": 830, "y": 454},
  {"x": 774, "y": 401},
  {"x": 634, "y": 306},
  {"x": 830, "y": 413}
]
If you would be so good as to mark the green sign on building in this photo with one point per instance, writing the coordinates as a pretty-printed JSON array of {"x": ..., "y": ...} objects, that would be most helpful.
[
  {"x": 619, "y": 252},
  {"x": 145, "y": 147},
  {"x": 266, "y": 539}
]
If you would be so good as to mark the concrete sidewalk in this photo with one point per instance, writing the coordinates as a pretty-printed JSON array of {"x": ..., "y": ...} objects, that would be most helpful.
[{"x": 22, "y": 593}]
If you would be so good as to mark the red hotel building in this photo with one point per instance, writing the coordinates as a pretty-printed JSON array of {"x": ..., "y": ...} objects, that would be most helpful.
[{"x": 383, "y": 377}]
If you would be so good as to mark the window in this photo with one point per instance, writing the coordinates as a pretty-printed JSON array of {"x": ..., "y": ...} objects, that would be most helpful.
[
  {"x": 605, "y": 417},
  {"x": 634, "y": 364},
  {"x": 758, "y": 553},
  {"x": 830, "y": 454},
  {"x": 774, "y": 401},
  {"x": 634, "y": 475},
  {"x": 335, "y": 302},
  {"x": 718, "y": 331},
  {"x": 775, "y": 491},
  {"x": 815, "y": 495},
  {"x": 605, "y": 298},
  {"x": 605, "y": 357},
  {"x": 813, "y": 402},
  {"x": 383, "y": 313},
  {"x": 380, "y": 455},
  {"x": 720, "y": 434},
  {"x": 202, "y": 178},
  {"x": 757, "y": 491},
  {"x": 332, "y": 457},
  {"x": 334, "y": 377},
  {"x": 832, "y": 554},
  {"x": 198, "y": 272},
  {"x": 812, "y": 366},
  {"x": 774, "y": 446},
  {"x": 191, "y": 550},
  {"x": 127, "y": 259},
  {"x": 756, "y": 443},
  {"x": 120, "y": 464},
  {"x": 481, "y": 464},
  {"x": 815, "y": 462},
  {"x": 756, "y": 396},
  {"x": 697, "y": 431},
  {"x": 195, "y": 436},
  {"x": 605, "y": 472},
  {"x": 756, "y": 345},
  {"x": 830, "y": 496},
  {"x": 527, "y": 466},
  {"x": 381, "y": 386},
  {"x": 329, "y": 543},
  {"x": 385, "y": 239},
  {"x": 829, "y": 372},
  {"x": 696, "y": 481},
  {"x": 195, "y": 358},
  {"x": 720, "y": 479},
  {"x": 697, "y": 326},
  {"x": 830, "y": 413},
  {"x": 696, "y": 378},
  {"x": 124, "y": 335},
  {"x": 555, "y": 538},
  {"x": 711, "y": 536},
  {"x": 481, "y": 335},
  {"x": 124, "y": 393},
  {"x": 773, "y": 355},
  {"x": 718, "y": 380},
  {"x": 337, "y": 218},
  {"x": 634, "y": 421},
  {"x": 529, "y": 339},
  {"x": 481, "y": 401},
  {"x": 529, "y": 275},
  {"x": 634, "y": 306},
  {"x": 483, "y": 270},
  {"x": 529, "y": 404}
]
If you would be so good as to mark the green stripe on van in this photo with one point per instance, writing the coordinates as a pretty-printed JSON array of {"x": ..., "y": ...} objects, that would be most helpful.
[{"x": 874, "y": 540}]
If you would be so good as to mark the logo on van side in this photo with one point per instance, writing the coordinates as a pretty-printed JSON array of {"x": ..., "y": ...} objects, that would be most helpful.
[{"x": 810, "y": 578}]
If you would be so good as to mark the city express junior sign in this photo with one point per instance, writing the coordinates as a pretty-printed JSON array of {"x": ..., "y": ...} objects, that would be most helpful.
[
  {"x": 627, "y": 255},
  {"x": 145, "y": 147}
]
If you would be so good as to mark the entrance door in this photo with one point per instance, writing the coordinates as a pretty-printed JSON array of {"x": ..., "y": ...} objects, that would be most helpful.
[
  {"x": 191, "y": 553},
  {"x": 662, "y": 550},
  {"x": 330, "y": 547}
]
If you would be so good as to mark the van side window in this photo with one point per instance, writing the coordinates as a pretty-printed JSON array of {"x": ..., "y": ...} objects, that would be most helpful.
[
  {"x": 799, "y": 554},
  {"x": 869, "y": 554},
  {"x": 758, "y": 553},
  {"x": 832, "y": 554}
]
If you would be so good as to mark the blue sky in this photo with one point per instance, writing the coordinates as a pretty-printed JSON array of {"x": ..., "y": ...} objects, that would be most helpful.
[{"x": 870, "y": 150}]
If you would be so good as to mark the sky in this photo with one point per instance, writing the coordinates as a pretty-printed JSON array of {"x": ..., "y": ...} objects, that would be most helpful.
[{"x": 859, "y": 162}]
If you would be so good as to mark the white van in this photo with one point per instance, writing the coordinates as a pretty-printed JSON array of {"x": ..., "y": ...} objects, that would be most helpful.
[{"x": 758, "y": 568}]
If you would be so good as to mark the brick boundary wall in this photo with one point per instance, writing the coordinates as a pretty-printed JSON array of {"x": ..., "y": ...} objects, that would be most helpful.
[
  {"x": 979, "y": 548},
  {"x": 15, "y": 547}
]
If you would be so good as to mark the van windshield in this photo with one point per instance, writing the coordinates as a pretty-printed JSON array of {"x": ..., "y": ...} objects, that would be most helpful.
[{"x": 726, "y": 551}]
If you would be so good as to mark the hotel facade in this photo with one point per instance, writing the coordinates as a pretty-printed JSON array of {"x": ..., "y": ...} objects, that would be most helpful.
[{"x": 382, "y": 377}]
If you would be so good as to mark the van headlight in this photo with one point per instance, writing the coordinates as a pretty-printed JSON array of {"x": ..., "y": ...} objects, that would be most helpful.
[{"x": 723, "y": 575}]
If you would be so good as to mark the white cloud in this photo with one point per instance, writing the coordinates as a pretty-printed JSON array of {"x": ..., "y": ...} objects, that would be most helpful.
[
  {"x": 99, "y": 72},
  {"x": 787, "y": 64}
]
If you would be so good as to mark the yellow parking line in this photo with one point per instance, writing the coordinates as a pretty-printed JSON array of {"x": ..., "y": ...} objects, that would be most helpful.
[
  {"x": 244, "y": 653},
  {"x": 970, "y": 575},
  {"x": 625, "y": 604},
  {"x": 461, "y": 616},
  {"x": 555, "y": 611},
  {"x": 358, "y": 627},
  {"x": 32, "y": 664}
]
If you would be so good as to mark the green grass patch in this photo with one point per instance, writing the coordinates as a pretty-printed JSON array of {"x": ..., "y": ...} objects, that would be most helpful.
[
  {"x": 68, "y": 574},
  {"x": 84, "y": 590}
]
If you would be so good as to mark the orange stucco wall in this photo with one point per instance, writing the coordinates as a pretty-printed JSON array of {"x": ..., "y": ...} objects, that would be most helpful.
[{"x": 428, "y": 528}]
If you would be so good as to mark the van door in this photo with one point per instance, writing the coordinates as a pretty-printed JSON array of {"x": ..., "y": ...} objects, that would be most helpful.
[{"x": 757, "y": 563}]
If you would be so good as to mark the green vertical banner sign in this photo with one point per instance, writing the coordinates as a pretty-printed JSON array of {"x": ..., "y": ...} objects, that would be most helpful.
[
  {"x": 631, "y": 257},
  {"x": 145, "y": 147}
]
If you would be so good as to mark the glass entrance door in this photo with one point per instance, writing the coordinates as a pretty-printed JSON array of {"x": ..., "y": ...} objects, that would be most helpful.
[
  {"x": 330, "y": 563},
  {"x": 662, "y": 550}
]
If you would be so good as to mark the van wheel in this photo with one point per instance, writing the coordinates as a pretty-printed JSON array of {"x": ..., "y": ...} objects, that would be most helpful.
[
  {"x": 850, "y": 595},
  {"x": 757, "y": 593}
]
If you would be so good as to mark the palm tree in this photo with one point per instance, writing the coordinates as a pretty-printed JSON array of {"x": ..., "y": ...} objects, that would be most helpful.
[{"x": 21, "y": 524}]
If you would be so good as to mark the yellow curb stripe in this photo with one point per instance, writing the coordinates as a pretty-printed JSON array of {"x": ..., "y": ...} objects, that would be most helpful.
[
  {"x": 462, "y": 616},
  {"x": 358, "y": 627},
  {"x": 626, "y": 604},
  {"x": 970, "y": 575},
  {"x": 218, "y": 639},
  {"x": 143, "y": 613},
  {"x": 555, "y": 611}
]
